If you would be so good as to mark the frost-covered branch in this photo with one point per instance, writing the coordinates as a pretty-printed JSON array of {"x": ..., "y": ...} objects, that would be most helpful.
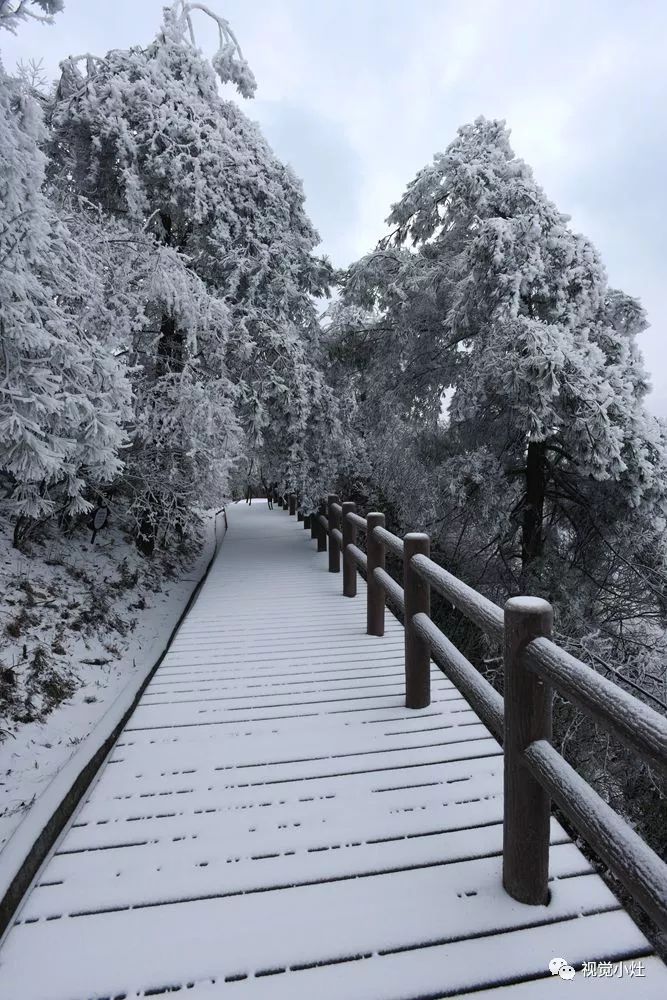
[
  {"x": 229, "y": 61},
  {"x": 13, "y": 12}
]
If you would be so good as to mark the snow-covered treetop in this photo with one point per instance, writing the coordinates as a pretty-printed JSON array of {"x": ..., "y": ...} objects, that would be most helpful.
[
  {"x": 515, "y": 310},
  {"x": 478, "y": 175},
  {"x": 12, "y": 12},
  {"x": 228, "y": 62},
  {"x": 144, "y": 132}
]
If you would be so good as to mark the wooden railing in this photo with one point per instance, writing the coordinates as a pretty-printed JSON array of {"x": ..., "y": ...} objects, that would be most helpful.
[{"x": 534, "y": 667}]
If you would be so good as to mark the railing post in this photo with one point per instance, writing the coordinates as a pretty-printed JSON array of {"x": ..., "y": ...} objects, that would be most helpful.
[
  {"x": 417, "y": 599},
  {"x": 292, "y": 504},
  {"x": 374, "y": 592},
  {"x": 334, "y": 547},
  {"x": 283, "y": 501},
  {"x": 321, "y": 533},
  {"x": 528, "y": 705},
  {"x": 313, "y": 525},
  {"x": 306, "y": 521},
  {"x": 299, "y": 514},
  {"x": 349, "y": 538}
]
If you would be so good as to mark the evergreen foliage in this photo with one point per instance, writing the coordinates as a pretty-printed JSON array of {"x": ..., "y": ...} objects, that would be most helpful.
[
  {"x": 500, "y": 312},
  {"x": 65, "y": 398},
  {"x": 151, "y": 220},
  {"x": 499, "y": 392}
]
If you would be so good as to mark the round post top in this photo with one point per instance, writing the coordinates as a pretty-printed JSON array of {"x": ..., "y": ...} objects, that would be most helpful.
[{"x": 529, "y": 605}]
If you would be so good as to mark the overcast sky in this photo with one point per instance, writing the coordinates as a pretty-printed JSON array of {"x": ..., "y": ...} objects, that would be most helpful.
[{"x": 357, "y": 96}]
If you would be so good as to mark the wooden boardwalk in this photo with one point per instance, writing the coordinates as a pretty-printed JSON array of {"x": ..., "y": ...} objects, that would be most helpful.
[{"x": 273, "y": 823}]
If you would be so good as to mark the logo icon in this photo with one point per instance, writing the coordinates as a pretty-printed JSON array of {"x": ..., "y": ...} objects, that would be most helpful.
[{"x": 560, "y": 967}]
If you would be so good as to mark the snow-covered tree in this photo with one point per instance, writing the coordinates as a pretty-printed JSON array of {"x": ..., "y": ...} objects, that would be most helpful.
[
  {"x": 64, "y": 396},
  {"x": 145, "y": 134},
  {"x": 501, "y": 310},
  {"x": 183, "y": 430},
  {"x": 500, "y": 392},
  {"x": 13, "y": 12}
]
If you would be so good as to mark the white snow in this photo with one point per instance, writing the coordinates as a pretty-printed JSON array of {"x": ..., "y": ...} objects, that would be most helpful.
[
  {"x": 34, "y": 753},
  {"x": 273, "y": 822},
  {"x": 535, "y": 605}
]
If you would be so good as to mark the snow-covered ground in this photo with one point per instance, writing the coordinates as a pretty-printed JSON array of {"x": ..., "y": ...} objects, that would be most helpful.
[
  {"x": 80, "y": 618},
  {"x": 275, "y": 823}
]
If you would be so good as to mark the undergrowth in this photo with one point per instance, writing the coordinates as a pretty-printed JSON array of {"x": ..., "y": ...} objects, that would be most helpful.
[{"x": 66, "y": 603}]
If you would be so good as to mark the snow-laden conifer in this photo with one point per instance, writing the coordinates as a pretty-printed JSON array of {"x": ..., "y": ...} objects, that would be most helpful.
[
  {"x": 498, "y": 307},
  {"x": 183, "y": 431},
  {"x": 64, "y": 394},
  {"x": 145, "y": 134},
  {"x": 13, "y": 12},
  {"x": 499, "y": 390}
]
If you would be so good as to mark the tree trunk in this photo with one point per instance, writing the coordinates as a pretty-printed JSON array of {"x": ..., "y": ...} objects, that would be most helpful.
[
  {"x": 532, "y": 541},
  {"x": 18, "y": 531},
  {"x": 146, "y": 534},
  {"x": 170, "y": 346}
]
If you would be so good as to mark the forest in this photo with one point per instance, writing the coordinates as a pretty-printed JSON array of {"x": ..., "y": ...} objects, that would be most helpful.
[{"x": 169, "y": 333}]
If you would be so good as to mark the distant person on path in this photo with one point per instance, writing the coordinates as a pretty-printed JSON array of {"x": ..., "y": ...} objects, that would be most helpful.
[
  {"x": 269, "y": 490},
  {"x": 248, "y": 493}
]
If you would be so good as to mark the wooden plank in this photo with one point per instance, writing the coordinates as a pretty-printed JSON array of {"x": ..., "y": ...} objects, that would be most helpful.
[{"x": 274, "y": 820}]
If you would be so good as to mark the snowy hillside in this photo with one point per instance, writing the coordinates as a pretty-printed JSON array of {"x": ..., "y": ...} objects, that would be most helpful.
[{"x": 78, "y": 623}]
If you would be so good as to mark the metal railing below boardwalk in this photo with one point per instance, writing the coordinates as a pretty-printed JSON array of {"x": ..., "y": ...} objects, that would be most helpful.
[{"x": 533, "y": 666}]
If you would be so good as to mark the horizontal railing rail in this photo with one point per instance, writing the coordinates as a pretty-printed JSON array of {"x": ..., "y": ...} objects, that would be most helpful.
[
  {"x": 477, "y": 608},
  {"x": 481, "y": 695},
  {"x": 392, "y": 542},
  {"x": 534, "y": 666},
  {"x": 392, "y": 590},
  {"x": 358, "y": 522},
  {"x": 624, "y": 852},
  {"x": 636, "y": 724},
  {"x": 359, "y": 556}
]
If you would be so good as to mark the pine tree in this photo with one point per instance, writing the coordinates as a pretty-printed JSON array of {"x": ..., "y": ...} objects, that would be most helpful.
[
  {"x": 65, "y": 395},
  {"x": 145, "y": 135},
  {"x": 183, "y": 429},
  {"x": 13, "y": 13},
  {"x": 502, "y": 308}
]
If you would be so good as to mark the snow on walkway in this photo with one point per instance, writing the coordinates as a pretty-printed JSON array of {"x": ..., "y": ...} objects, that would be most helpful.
[{"x": 273, "y": 823}]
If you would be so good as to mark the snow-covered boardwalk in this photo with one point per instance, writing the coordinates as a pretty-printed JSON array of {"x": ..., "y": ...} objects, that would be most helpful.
[{"x": 273, "y": 823}]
